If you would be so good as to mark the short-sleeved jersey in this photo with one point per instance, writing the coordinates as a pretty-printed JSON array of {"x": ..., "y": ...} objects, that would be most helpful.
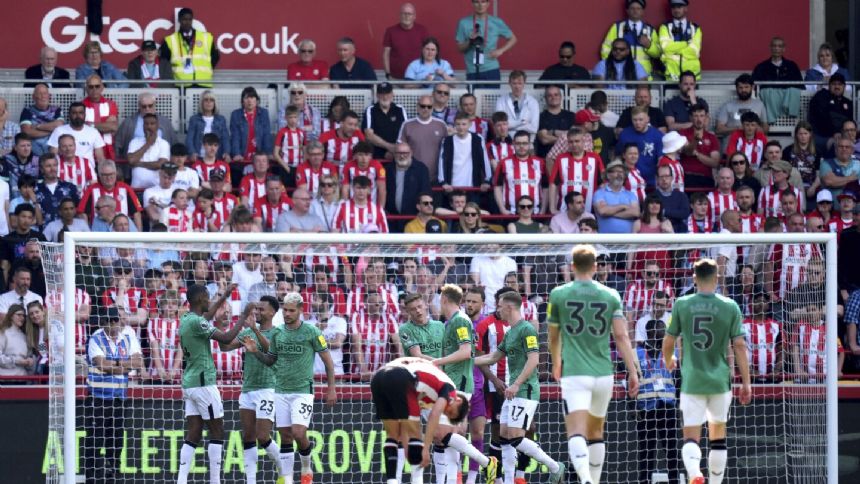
[
  {"x": 584, "y": 311},
  {"x": 459, "y": 330},
  {"x": 194, "y": 334},
  {"x": 256, "y": 375},
  {"x": 707, "y": 324},
  {"x": 519, "y": 342},
  {"x": 295, "y": 350},
  {"x": 427, "y": 337}
]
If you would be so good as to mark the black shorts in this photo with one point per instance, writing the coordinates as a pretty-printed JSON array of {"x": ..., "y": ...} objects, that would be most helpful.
[
  {"x": 494, "y": 402},
  {"x": 391, "y": 390}
]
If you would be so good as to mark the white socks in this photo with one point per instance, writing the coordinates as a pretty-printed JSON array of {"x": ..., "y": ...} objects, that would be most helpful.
[
  {"x": 717, "y": 457},
  {"x": 250, "y": 457},
  {"x": 691, "y": 455},
  {"x": 287, "y": 459},
  {"x": 439, "y": 463},
  {"x": 214, "y": 450},
  {"x": 463, "y": 446},
  {"x": 578, "y": 449},
  {"x": 453, "y": 464},
  {"x": 596, "y": 457},
  {"x": 401, "y": 461},
  {"x": 509, "y": 462},
  {"x": 273, "y": 451},
  {"x": 186, "y": 458},
  {"x": 532, "y": 449}
]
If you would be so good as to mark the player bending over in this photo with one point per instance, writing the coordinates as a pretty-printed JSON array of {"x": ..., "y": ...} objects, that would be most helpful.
[
  {"x": 399, "y": 390},
  {"x": 707, "y": 323},
  {"x": 257, "y": 400},
  {"x": 201, "y": 396},
  {"x": 521, "y": 348},
  {"x": 458, "y": 349},
  {"x": 579, "y": 315},
  {"x": 291, "y": 349}
]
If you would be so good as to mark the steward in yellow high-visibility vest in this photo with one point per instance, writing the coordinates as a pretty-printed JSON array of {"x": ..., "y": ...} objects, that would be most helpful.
[
  {"x": 681, "y": 42},
  {"x": 637, "y": 33},
  {"x": 192, "y": 53}
]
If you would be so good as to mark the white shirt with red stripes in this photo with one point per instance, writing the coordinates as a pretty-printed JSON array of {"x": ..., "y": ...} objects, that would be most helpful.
[
  {"x": 374, "y": 171},
  {"x": 636, "y": 183},
  {"x": 356, "y": 300},
  {"x": 577, "y": 175},
  {"x": 177, "y": 220},
  {"x": 228, "y": 364},
  {"x": 339, "y": 150},
  {"x": 353, "y": 218},
  {"x": 752, "y": 223},
  {"x": 490, "y": 332},
  {"x": 200, "y": 221},
  {"x": 291, "y": 142},
  {"x": 677, "y": 172},
  {"x": 521, "y": 177},
  {"x": 80, "y": 172},
  {"x": 789, "y": 264},
  {"x": 268, "y": 212},
  {"x": 811, "y": 340},
  {"x": 166, "y": 332},
  {"x": 720, "y": 202},
  {"x": 375, "y": 333},
  {"x": 638, "y": 297},
  {"x": 762, "y": 337},
  {"x": 499, "y": 150},
  {"x": 769, "y": 200},
  {"x": 121, "y": 192},
  {"x": 480, "y": 126},
  {"x": 225, "y": 205},
  {"x": 253, "y": 188},
  {"x": 205, "y": 170},
  {"x": 308, "y": 175}
]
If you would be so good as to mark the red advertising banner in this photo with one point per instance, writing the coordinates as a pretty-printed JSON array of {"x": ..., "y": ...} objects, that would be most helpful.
[{"x": 259, "y": 34}]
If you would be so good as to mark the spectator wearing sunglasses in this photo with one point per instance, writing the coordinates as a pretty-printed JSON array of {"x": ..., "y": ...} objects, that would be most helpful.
[
  {"x": 565, "y": 69},
  {"x": 419, "y": 224},
  {"x": 307, "y": 68}
]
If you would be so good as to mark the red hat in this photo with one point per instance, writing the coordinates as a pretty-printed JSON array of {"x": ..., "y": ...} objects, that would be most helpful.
[{"x": 586, "y": 115}]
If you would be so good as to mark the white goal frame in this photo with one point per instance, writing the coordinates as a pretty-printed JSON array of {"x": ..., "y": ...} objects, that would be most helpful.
[{"x": 71, "y": 239}]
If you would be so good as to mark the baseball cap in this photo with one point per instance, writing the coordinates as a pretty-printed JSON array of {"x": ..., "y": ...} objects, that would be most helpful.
[
  {"x": 586, "y": 115},
  {"x": 678, "y": 2},
  {"x": 640, "y": 2},
  {"x": 148, "y": 45},
  {"x": 170, "y": 167},
  {"x": 824, "y": 196},
  {"x": 837, "y": 78},
  {"x": 847, "y": 194},
  {"x": 384, "y": 88},
  {"x": 217, "y": 174},
  {"x": 433, "y": 226}
]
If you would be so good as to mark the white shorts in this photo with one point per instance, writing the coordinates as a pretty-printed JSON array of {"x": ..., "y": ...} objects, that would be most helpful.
[
  {"x": 518, "y": 413},
  {"x": 443, "y": 419},
  {"x": 696, "y": 409},
  {"x": 587, "y": 393},
  {"x": 204, "y": 402},
  {"x": 262, "y": 402},
  {"x": 293, "y": 409}
]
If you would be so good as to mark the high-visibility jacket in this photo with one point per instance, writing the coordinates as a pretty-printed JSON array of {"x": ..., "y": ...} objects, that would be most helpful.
[
  {"x": 621, "y": 29},
  {"x": 193, "y": 65},
  {"x": 681, "y": 50}
]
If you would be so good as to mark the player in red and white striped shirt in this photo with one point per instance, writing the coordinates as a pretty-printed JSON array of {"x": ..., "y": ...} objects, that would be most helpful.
[
  {"x": 290, "y": 141},
  {"x": 374, "y": 336},
  {"x": 78, "y": 171},
  {"x": 314, "y": 168},
  {"x": 252, "y": 188},
  {"x": 339, "y": 142},
  {"x": 163, "y": 333},
  {"x": 576, "y": 171},
  {"x": 274, "y": 204},
  {"x": 635, "y": 182},
  {"x": 209, "y": 162},
  {"x": 499, "y": 144},
  {"x": 786, "y": 264},
  {"x": 363, "y": 164},
  {"x": 764, "y": 341},
  {"x": 359, "y": 214},
  {"x": 722, "y": 198},
  {"x": 749, "y": 140},
  {"x": 640, "y": 293},
  {"x": 521, "y": 175},
  {"x": 178, "y": 217}
]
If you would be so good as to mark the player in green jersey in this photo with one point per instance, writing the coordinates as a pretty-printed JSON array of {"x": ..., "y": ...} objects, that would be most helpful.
[
  {"x": 292, "y": 349},
  {"x": 520, "y": 346},
  {"x": 420, "y": 336},
  {"x": 257, "y": 400},
  {"x": 458, "y": 348},
  {"x": 708, "y": 324},
  {"x": 580, "y": 315},
  {"x": 201, "y": 396}
]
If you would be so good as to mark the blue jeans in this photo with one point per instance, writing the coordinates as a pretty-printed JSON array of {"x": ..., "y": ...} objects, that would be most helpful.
[{"x": 491, "y": 75}]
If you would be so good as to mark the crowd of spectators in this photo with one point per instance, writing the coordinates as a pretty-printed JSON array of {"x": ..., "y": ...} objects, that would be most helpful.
[{"x": 372, "y": 169}]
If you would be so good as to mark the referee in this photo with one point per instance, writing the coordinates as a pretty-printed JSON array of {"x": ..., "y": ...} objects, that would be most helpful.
[{"x": 113, "y": 352}]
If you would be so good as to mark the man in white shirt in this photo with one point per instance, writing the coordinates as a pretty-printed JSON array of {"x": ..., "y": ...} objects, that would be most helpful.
[
  {"x": 247, "y": 273},
  {"x": 146, "y": 154},
  {"x": 67, "y": 221},
  {"x": 659, "y": 311},
  {"x": 463, "y": 160},
  {"x": 727, "y": 255},
  {"x": 19, "y": 292},
  {"x": 186, "y": 178},
  {"x": 157, "y": 198},
  {"x": 333, "y": 327},
  {"x": 89, "y": 142},
  {"x": 522, "y": 109},
  {"x": 567, "y": 222},
  {"x": 489, "y": 271}
]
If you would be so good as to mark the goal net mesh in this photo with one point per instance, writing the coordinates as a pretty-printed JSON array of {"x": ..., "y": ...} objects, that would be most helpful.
[{"x": 353, "y": 289}]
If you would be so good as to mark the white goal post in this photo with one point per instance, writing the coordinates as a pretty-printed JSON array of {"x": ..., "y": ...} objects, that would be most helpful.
[{"x": 70, "y": 390}]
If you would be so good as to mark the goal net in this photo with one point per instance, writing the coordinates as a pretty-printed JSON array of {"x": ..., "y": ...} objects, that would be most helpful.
[{"x": 131, "y": 428}]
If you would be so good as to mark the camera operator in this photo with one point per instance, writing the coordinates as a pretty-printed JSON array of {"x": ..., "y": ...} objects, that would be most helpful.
[{"x": 478, "y": 38}]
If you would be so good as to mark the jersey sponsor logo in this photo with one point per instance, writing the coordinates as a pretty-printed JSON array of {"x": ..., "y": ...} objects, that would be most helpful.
[
  {"x": 322, "y": 341},
  {"x": 431, "y": 346},
  {"x": 531, "y": 342},
  {"x": 462, "y": 333},
  {"x": 291, "y": 348}
]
